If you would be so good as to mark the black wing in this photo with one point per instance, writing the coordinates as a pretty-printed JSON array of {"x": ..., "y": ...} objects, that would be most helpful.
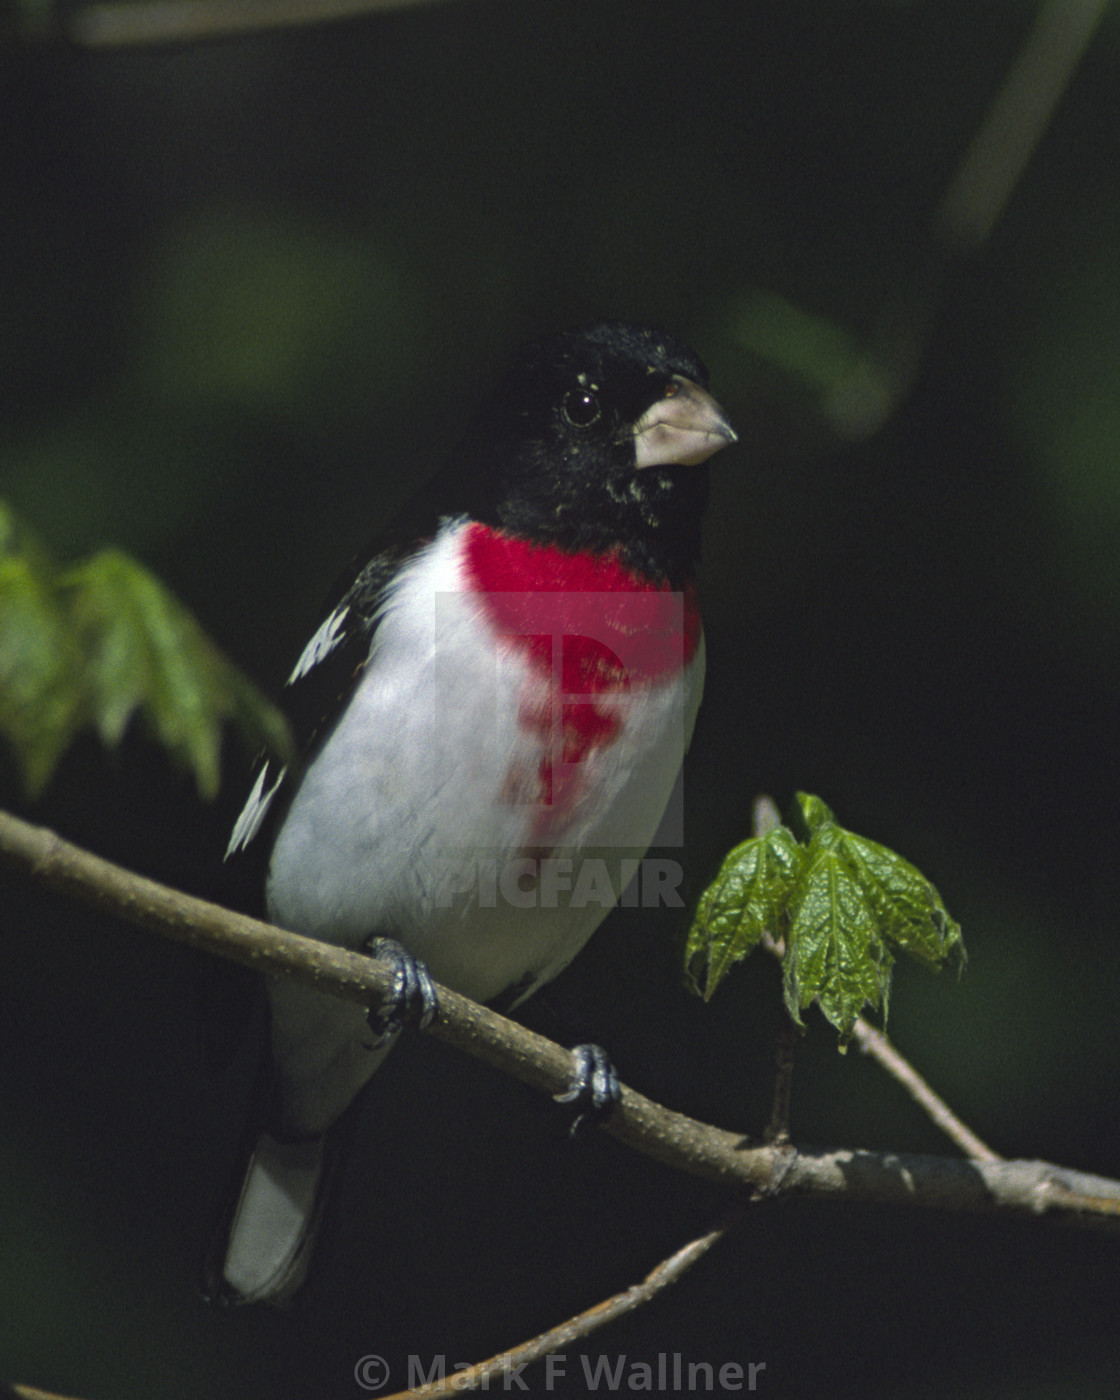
[
  {"x": 313, "y": 697},
  {"x": 317, "y": 691}
]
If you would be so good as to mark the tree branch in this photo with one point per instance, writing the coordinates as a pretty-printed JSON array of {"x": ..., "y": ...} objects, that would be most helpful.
[
  {"x": 968, "y": 211},
  {"x": 941, "y": 1183},
  {"x": 1016, "y": 121},
  {"x": 29, "y": 1392},
  {"x": 510, "y": 1363},
  {"x": 876, "y": 1044},
  {"x": 559, "y": 1338}
]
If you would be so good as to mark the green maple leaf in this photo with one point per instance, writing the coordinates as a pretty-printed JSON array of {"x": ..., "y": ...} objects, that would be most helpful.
[
  {"x": 746, "y": 899},
  {"x": 833, "y": 953},
  {"x": 843, "y": 905}
]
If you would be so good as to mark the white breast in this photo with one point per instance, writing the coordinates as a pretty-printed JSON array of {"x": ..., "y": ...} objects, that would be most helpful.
[{"x": 408, "y": 820}]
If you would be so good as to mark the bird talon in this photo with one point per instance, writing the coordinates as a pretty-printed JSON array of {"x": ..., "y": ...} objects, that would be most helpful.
[
  {"x": 411, "y": 999},
  {"x": 593, "y": 1088}
]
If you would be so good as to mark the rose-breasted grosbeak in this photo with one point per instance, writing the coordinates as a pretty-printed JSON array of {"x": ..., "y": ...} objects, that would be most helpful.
[{"x": 494, "y": 709}]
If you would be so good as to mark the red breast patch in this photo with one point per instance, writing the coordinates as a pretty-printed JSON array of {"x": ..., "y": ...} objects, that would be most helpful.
[
  {"x": 657, "y": 629},
  {"x": 592, "y": 630}
]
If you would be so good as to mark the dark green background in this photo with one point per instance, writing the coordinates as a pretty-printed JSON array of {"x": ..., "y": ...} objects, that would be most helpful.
[{"x": 249, "y": 290}]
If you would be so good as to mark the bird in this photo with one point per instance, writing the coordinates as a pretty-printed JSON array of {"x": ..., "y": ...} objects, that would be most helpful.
[{"x": 492, "y": 712}]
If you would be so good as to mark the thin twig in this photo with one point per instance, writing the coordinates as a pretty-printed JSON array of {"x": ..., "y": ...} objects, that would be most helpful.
[
  {"x": 119, "y": 24},
  {"x": 940, "y": 1183},
  {"x": 29, "y": 1392},
  {"x": 1014, "y": 125},
  {"x": 874, "y": 1042},
  {"x": 877, "y": 1046},
  {"x": 509, "y": 1364},
  {"x": 777, "y": 1130},
  {"x": 1016, "y": 122}
]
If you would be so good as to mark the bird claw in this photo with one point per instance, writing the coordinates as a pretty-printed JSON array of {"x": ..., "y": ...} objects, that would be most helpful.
[
  {"x": 593, "y": 1087},
  {"x": 410, "y": 1001}
]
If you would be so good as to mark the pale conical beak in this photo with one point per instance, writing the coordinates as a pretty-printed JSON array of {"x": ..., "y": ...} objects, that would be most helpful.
[{"x": 682, "y": 429}]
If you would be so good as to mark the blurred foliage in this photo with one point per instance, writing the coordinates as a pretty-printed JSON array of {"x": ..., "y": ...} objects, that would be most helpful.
[
  {"x": 809, "y": 348},
  {"x": 103, "y": 642},
  {"x": 258, "y": 313},
  {"x": 240, "y": 320},
  {"x": 1062, "y": 406}
]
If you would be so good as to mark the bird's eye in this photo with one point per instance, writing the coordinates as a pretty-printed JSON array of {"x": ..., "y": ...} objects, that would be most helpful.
[{"x": 580, "y": 407}]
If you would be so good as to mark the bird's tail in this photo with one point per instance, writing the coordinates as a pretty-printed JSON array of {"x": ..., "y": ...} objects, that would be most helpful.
[
  {"x": 323, "y": 1053},
  {"x": 263, "y": 1249}
]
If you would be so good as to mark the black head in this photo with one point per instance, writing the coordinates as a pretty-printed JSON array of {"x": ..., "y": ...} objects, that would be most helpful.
[{"x": 597, "y": 440}]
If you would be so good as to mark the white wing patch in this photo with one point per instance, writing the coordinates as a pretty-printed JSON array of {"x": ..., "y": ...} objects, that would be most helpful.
[
  {"x": 321, "y": 644},
  {"x": 254, "y": 811}
]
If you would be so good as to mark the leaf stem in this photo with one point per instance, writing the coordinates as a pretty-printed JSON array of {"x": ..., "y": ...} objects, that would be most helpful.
[{"x": 777, "y": 1130}]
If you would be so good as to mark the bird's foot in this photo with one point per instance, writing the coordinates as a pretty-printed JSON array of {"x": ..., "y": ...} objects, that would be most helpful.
[
  {"x": 411, "y": 999},
  {"x": 593, "y": 1089}
]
